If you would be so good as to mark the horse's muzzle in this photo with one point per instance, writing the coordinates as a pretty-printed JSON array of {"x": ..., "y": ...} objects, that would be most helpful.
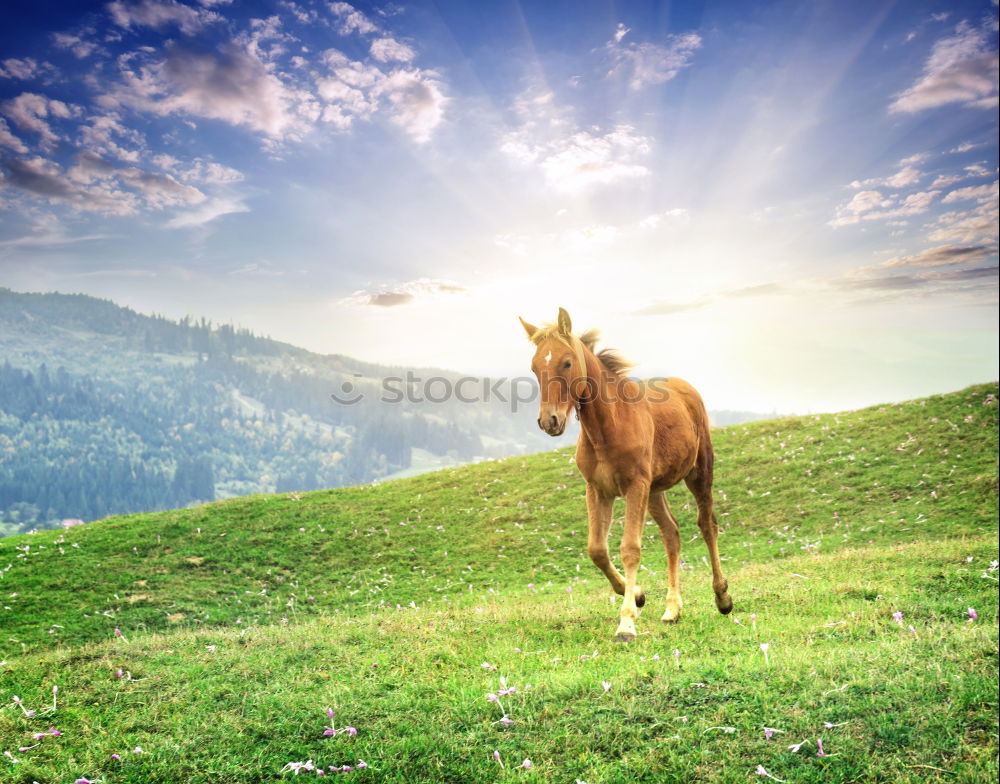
[{"x": 553, "y": 424}]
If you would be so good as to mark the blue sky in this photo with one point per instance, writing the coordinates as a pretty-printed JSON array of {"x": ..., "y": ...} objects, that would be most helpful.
[{"x": 793, "y": 205}]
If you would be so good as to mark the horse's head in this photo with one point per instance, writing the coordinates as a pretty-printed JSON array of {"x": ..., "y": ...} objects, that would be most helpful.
[{"x": 560, "y": 366}]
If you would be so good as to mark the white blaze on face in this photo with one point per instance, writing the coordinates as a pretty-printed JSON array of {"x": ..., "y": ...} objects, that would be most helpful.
[{"x": 548, "y": 358}]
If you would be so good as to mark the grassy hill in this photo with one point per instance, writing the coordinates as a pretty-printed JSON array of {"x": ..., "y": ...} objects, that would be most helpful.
[
  {"x": 105, "y": 411},
  {"x": 242, "y": 621}
]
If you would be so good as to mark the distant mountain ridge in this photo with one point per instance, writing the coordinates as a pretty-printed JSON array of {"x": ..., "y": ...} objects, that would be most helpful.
[{"x": 107, "y": 411}]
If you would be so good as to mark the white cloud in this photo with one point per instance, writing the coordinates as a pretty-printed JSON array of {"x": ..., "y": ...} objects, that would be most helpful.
[
  {"x": 942, "y": 256},
  {"x": 965, "y": 147},
  {"x": 961, "y": 69},
  {"x": 354, "y": 90},
  {"x": 648, "y": 63},
  {"x": 862, "y": 202},
  {"x": 906, "y": 176},
  {"x": 976, "y": 225},
  {"x": 914, "y": 204},
  {"x": 587, "y": 159},
  {"x": 90, "y": 167},
  {"x": 389, "y": 49},
  {"x": 100, "y": 133},
  {"x": 159, "y": 14},
  {"x": 212, "y": 173},
  {"x": 208, "y": 211},
  {"x": 914, "y": 159},
  {"x": 944, "y": 180},
  {"x": 47, "y": 179},
  {"x": 572, "y": 162},
  {"x": 31, "y": 112},
  {"x": 77, "y": 43},
  {"x": 9, "y": 140},
  {"x": 266, "y": 31},
  {"x": 654, "y": 220},
  {"x": 349, "y": 90},
  {"x": 403, "y": 294},
  {"x": 352, "y": 20},
  {"x": 977, "y": 192},
  {"x": 94, "y": 184},
  {"x": 417, "y": 100},
  {"x": 872, "y": 205},
  {"x": 160, "y": 190},
  {"x": 978, "y": 170},
  {"x": 230, "y": 85},
  {"x": 25, "y": 69}
]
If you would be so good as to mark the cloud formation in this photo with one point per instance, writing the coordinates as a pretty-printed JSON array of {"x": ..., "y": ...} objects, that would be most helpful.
[
  {"x": 33, "y": 112},
  {"x": 962, "y": 68},
  {"x": 354, "y": 90},
  {"x": 976, "y": 192},
  {"x": 160, "y": 14},
  {"x": 387, "y": 50},
  {"x": 9, "y": 140},
  {"x": 644, "y": 64},
  {"x": 942, "y": 256},
  {"x": 228, "y": 84},
  {"x": 25, "y": 69},
  {"x": 404, "y": 293},
  {"x": 572, "y": 160},
  {"x": 94, "y": 184},
  {"x": 873, "y": 205},
  {"x": 351, "y": 20}
]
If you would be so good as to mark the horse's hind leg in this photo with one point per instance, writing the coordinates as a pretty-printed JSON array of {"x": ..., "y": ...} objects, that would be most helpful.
[
  {"x": 699, "y": 482},
  {"x": 599, "y": 519},
  {"x": 671, "y": 536}
]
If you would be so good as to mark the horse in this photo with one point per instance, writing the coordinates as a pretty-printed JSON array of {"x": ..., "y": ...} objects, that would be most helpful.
[{"x": 637, "y": 440}]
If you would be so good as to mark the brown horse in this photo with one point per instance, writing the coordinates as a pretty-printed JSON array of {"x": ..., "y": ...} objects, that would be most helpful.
[{"x": 636, "y": 440}]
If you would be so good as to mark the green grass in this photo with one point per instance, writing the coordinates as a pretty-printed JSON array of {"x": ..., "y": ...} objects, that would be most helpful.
[{"x": 390, "y": 599}]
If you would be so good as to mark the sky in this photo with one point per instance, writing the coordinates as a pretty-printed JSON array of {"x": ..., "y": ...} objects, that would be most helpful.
[{"x": 791, "y": 205}]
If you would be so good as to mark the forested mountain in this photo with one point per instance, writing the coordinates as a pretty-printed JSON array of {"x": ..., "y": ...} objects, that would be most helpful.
[{"x": 107, "y": 411}]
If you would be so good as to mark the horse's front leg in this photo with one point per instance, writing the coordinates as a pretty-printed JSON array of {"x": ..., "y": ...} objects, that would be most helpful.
[
  {"x": 599, "y": 508},
  {"x": 636, "y": 500}
]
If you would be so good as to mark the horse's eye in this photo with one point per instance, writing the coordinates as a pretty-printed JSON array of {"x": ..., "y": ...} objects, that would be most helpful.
[{"x": 567, "y": 365}]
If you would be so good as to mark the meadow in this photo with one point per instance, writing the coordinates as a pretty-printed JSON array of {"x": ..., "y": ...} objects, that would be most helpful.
[{"x": 450, "y": 627}]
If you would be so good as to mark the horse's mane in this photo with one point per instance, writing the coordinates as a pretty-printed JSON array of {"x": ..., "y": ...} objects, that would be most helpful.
[{"x": 609, "y": 357}]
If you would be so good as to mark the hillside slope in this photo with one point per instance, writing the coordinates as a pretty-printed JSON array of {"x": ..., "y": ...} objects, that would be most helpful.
[
  {"x": 106, "y": 411},
  {"x": 905, "y": 472},
  {"x": 856, "y": 545}
]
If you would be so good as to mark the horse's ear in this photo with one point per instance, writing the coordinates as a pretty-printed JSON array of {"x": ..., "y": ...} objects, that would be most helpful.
[
  {"x": 531, "y": 329},
  {"x": 565, "y": 325}
]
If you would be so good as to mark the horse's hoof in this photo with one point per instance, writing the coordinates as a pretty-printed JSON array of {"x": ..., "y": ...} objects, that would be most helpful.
[
  {"x": 624, "y": 637},
  {"x": 724, "y": 603},
  {"x": 640, "y": 600},
  {"x": 668, "y": 618}
]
